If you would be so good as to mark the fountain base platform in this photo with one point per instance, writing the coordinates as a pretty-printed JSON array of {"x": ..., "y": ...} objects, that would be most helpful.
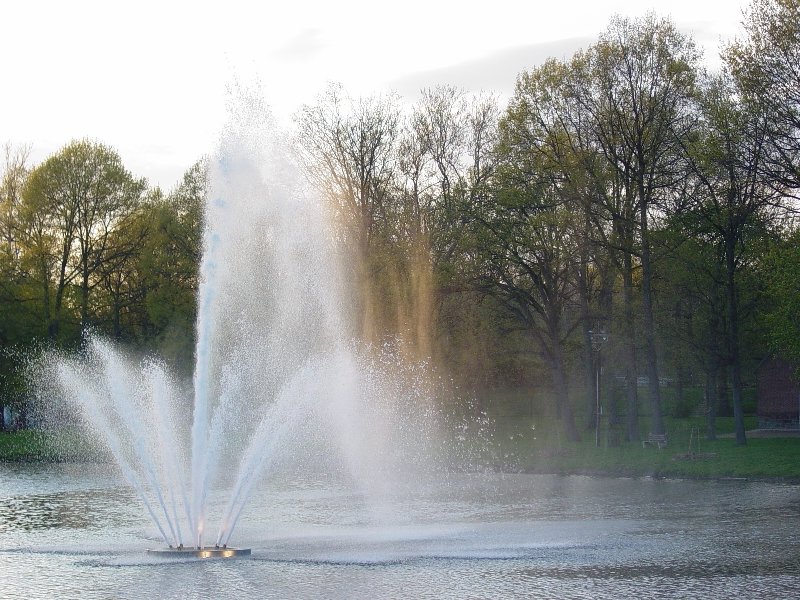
[{"x": 205, "y": 552}]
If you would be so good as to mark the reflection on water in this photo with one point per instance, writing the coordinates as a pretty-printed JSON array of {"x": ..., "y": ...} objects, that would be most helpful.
[
  {"x": 76, "y": 532},
  {"x": 89, "y": 509}
]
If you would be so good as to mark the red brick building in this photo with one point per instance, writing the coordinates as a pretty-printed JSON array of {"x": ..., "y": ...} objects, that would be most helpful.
[{"x": 778, "y": 400}]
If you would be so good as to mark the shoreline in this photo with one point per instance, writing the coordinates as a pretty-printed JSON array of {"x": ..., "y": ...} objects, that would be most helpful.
[
  {"x": 630, "y": 474},
  {"x": 769, "y": 456},
  {"x": 620, "y": 473}
]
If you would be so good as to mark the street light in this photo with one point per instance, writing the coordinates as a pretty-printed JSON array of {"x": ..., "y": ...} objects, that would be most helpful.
[{"x": 598, "y": 339}]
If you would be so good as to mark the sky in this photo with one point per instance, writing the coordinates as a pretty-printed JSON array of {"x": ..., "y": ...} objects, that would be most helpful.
[{"x": 151, "y": 78}]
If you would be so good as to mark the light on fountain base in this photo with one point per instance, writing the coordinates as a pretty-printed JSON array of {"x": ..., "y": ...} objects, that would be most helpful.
[{"x": 205, "y": 552}]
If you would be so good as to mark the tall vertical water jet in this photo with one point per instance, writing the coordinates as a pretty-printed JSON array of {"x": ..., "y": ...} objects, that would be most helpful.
[{"x": 258, "y": 217}]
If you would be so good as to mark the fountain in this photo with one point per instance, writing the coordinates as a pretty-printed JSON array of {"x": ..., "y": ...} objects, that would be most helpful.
[
  {"x": 298, "y": 443},
  {"x": 278, "y": 379}
]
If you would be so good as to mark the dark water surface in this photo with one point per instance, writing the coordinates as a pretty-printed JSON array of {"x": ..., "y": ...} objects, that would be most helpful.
[{"x": 73, "y": 531}]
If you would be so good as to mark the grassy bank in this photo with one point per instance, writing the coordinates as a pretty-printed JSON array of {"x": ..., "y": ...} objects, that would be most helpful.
[
  {"x": 524, "y": 445},
  {"x": 527, "y": 437},
  {"x": 31, "y": 446},
  {"x": 24, "y": 445},
  {"x": 534, "y": 445}
]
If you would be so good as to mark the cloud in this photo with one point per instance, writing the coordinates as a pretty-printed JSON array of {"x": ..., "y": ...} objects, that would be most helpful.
[
  {"x": 710, "y": 37},
  {"x": 495, "y": 72},
  {"x": 302, "y": 46}
]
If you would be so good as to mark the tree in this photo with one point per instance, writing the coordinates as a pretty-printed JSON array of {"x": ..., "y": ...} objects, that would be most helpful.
[
  {"x": 168, "y": 264},
  {"x": 347, "y": 146},
  {"x": 783, "y": 289},
  {"x": 764, "y": 67},
  {"x": 118, "y": 305},
  {"x": 455, "y": 136},
  {"x": 16, "y": 326},
  {"x": 641, "y": 76},
  {"x": 528, "y": 248},
  {"x": 445, "y": 161},
  {"x": 733, "y": 201},
  {"x": 555, "y": 140},
  {"x": 73, "y": 202},
  {"x": 691, "y": 278}
]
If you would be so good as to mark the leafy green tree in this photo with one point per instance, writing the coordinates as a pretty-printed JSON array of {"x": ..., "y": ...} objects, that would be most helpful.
[
  {"x": 118, "y": 303},
  {"x": 168, "y": 264},
  {"x": 640, "y": 83},
  {"x": 528, "y": 255},
  {"x": 733, "y": 203},
  {"x": 782, "y": 320},
  {"x": 691, "y": 284},
  {"x": 554, "y": 141},
  {"x": 72, "y": 204},
  {"x": 17, "y": 324}
]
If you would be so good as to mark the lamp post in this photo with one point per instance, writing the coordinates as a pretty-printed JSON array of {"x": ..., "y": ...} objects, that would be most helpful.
[{"x": 598, "y": 339}]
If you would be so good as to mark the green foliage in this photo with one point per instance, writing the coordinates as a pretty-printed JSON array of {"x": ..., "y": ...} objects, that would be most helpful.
[
  {"x": 31, "y": 445},
  {"x": 73, "y": 206},
  {"x": 782, "y": 321},
  {"x": 26, "y": 445},
  {"x": 170, "y": 260},
  {"x": 84, "y": 246},
  {"x": 621, "y": 188},
  {"x": 764, "y": 66}
]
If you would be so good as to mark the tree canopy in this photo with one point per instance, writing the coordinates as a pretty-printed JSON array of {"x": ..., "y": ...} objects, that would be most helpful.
[{"x": 622, "y": 194}]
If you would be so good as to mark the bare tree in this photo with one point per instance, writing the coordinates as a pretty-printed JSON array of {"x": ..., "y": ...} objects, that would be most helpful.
[
  {"x": 15, "y": 171},
  {"x": 764, "y": 66},
  {"x": 348, "y": 146}
]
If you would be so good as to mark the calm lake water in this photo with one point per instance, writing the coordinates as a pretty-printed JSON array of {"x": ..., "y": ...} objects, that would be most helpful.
[{"x": 74, "y": 531}]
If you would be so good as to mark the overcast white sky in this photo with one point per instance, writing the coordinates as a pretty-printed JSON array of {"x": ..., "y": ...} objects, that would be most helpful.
[{"x": 149, "y": 77}]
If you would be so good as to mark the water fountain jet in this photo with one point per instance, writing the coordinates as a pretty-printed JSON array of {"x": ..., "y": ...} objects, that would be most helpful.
[{"x": 277, "y": 378}]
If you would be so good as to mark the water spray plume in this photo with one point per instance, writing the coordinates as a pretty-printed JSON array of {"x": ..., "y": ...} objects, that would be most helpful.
[{"x": 278, "y": 379}]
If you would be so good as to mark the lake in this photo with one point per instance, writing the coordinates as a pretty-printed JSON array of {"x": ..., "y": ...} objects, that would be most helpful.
[{"x": 75, "y": 531}]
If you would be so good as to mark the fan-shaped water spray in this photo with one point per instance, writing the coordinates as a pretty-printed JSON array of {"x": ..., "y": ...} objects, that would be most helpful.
[{"x": 277, "y": 376}]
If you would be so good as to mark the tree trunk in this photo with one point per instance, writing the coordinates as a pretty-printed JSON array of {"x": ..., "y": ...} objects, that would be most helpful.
[
  {"x": 724, "y": 408},
  {"x": 54, "y": 326},
  {"x": 562, "y": 395},
  {"x": 586, "y": 325},
  {"x": 52, "y": 332},
  {"x": 117, "y": 318},
  {"x": 588, "y": 378},
  {"x": 649, "y": 328},
  {"x": 560, "y": 384},
  {"x": 629, "y": 351},
  {"x": 84, "y": 299},
  {"x": 711, "y": 399},
  {"x": 712, "y": 379},
  {"x": 733, "y": 341},
  {"x": 587, "y": 354}
]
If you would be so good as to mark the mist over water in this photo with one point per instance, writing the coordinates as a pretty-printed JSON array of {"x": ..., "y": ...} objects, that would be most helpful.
[{"x": 280, "y": 383}]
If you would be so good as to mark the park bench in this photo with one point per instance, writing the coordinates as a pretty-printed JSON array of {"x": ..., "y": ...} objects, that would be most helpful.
[{"x": 655, "y": 439}]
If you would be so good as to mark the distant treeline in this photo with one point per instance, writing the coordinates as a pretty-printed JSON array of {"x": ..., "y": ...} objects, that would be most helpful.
[{"x": 626, "y": 205}]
